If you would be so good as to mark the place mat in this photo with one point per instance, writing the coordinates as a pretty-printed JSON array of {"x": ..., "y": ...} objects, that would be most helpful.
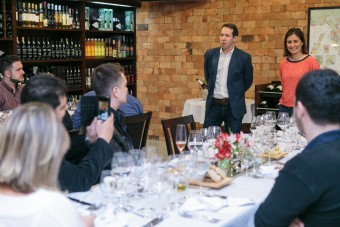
[
  {"x": 209, "y": 183},
  {"x": 275, "y": 156}
]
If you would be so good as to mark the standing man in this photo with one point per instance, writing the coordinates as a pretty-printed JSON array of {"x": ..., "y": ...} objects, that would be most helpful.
[
  {"x": 10, "y": 87},
  {"x": 307, "y": 190},
  {"x": 229, "y": 74},
  {"x": 109, "y": 80}
]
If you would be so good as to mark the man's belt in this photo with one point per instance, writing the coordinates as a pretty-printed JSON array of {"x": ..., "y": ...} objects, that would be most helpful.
[{"x": 220, "y": 101}]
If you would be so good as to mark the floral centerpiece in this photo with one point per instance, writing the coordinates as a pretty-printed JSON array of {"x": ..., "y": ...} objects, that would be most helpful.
[{"x": 229, "y": 149}]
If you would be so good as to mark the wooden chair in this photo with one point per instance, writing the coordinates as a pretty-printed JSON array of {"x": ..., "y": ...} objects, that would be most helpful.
[
  {"x": 169, "y": 129},
  {"x": 137, "y": 127}
]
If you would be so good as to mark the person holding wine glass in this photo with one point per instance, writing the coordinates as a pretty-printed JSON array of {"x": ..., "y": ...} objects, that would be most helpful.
[{"x": 181, "y": 137}]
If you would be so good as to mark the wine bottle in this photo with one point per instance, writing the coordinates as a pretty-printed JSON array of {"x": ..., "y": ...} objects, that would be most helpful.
[
  {"x": 34, "y": 50},
  {"x": 264, "y": 104},
  {"x": 278, "y": 88},
  {"x": 270, "y": 88},
  {"x": 41, "y": 15},
  {"x": 23, "y": 49},
  {"x": 19, "y": 12},
  {"x": 19, "y": 48},
  {"x": 29, "y": 49},
  {"x": 203, "y": 85},
  {"x": 39, "y": 50}
]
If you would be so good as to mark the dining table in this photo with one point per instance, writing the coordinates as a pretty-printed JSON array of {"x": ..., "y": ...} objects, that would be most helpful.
[
  {"x": 242, "y": 186},
  {"x": 196, "y": 107}
]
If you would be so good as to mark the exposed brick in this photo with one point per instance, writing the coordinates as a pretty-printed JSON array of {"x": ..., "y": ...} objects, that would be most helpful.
[{"x": 172, "y": 39}]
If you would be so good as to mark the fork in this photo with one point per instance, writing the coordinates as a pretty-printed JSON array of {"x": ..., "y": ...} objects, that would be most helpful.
[{"x": 199, "y": 216}]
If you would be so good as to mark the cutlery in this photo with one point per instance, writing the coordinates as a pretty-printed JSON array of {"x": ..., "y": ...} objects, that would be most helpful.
[
  {"x": 153, "y": 222},
  {"x": 198, "y": 216},
  {"x": 216, "y": 195},
  {"x": 90, "y": 206}
]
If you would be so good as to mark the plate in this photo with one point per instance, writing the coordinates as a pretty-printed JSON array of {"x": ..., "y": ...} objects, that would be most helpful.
[
  {"x": 209, "y": 183},
  {"x": 275, "y": 156}
]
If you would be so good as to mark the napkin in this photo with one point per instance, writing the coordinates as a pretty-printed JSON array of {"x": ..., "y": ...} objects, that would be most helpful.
[
  {"x": 111, "y": 219},
  {"x": 195, "y": 204},
  {"x": 269, "y": 171}
]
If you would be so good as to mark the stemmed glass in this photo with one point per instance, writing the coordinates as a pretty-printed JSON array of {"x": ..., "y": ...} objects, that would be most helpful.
[
  {"x": 270, "y": 119},
  {"x": 181, "y": 137},
  {"x": 206, "y": 145},
  {"x": 195, "y": 142},
  {"x": 283, "y": 122},
  {"x": 269, "y": 142}
]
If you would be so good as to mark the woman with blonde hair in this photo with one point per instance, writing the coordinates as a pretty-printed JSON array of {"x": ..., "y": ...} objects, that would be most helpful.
[{"x": 32, "y": 145}]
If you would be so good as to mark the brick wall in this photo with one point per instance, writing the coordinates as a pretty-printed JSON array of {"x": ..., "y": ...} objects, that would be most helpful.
[{"x": 173, "y": 37}]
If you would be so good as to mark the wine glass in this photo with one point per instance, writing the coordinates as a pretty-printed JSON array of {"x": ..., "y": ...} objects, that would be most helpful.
[
  {"x": 270, "y": 119},
  {"x": 269, "y": 142},
  {"x": 283, "y": 122},
  {"x": 253, "y": 125},
  {"x": 213, "y": 133},
  {"x": 206, "y": 145},
  {"x": 195, "y": 142},
  {"x": 181, "y": 137}
]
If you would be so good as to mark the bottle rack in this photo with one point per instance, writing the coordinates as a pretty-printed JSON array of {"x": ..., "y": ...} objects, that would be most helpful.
[
  {"x": 66, "y": 53},
  {"x": 272, "y": 99}
]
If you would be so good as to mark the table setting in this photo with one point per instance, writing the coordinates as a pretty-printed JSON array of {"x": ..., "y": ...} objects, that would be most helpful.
[{"x": 220, "y": 181}]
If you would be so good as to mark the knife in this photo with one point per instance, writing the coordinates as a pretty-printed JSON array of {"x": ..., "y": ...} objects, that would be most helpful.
[
  {"x": 90, "y": 205},
  {"x": 153, "y": 222},
  {"x": 216, "y": 195}
]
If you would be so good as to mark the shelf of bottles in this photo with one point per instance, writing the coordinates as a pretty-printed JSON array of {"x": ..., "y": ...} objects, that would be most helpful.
[
  {"x": 116, "y": 47},
  {"x": 71, "y": 74},
  {"x": 6, "y": 29},
  {"x": 269, "y": 97},
  {"x": 46, "y": 15},
  {"x": 48, "y": 48}
]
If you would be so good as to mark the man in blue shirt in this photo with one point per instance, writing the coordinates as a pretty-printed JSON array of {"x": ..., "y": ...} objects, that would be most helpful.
[
  {"x": 307, "y": 190},
  {"x": 132, "y": 107}
]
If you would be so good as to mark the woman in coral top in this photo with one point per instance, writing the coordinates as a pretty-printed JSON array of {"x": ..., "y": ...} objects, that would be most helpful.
[{"x": 297, "y": 62}]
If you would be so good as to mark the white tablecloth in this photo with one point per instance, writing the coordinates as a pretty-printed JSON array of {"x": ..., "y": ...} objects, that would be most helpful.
[
  {"x": 196, "y": 107},
  {"x": 242, "y": 186}
]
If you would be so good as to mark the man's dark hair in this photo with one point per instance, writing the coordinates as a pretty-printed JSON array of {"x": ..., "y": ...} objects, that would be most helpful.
[
  {"x": 7, "y": 61},
  {"x": 319, "y": 92},
  {"x": 233, "y": 27},
  {"x": 298, "y": 33},
  {"x": 44, "y": 88},
  {"x": 105, "y": 77}
]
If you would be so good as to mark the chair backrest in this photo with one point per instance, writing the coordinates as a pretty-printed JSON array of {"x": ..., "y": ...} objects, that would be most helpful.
[
  {"x": 74, "y": 132},
  {"x": 169, "y": 129},
  {"x": 137, "y": 127}
]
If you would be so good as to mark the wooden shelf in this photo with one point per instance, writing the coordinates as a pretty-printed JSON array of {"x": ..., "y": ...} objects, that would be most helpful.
[{"x": 119, "y": 7}]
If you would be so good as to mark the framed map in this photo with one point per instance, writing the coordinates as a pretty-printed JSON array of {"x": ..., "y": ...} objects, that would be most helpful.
[{"x": 324, "y": 36}]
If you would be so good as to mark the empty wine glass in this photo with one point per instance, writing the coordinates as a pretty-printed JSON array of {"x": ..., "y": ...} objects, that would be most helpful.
[
  {"x": 213, "y": 133},
  {"x": 270, "y": 119},
  {"x": 283, "y": 122},
  {"x": 195, "y": 142},
  {"x": 253, "y": 125},
  {"x": 269, "y": 142},
  {"x": 181, "y": 137}
]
